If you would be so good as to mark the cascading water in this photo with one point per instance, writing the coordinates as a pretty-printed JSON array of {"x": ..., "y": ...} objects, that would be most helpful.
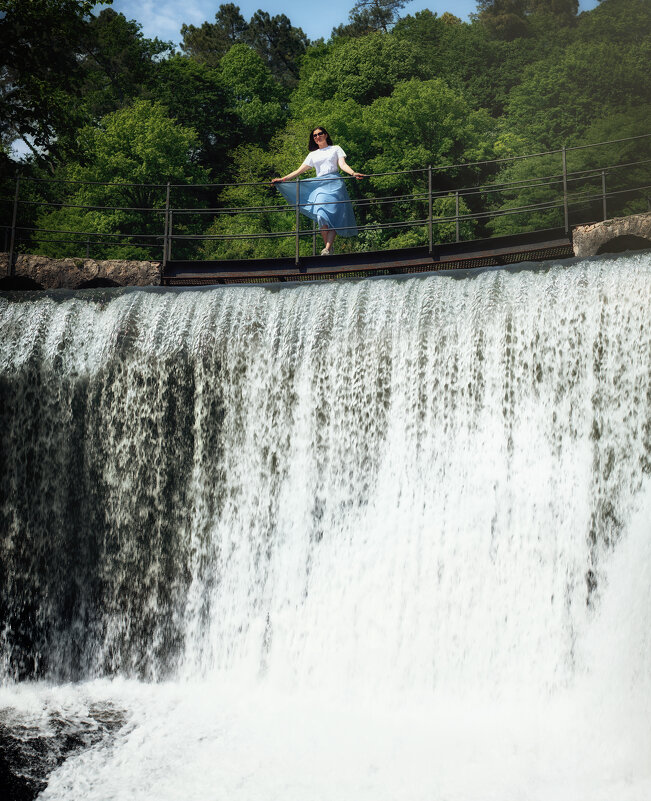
[{"x": 377, "y": 540}]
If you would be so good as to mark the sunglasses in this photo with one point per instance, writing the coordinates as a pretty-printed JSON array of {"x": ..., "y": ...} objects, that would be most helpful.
[{"x": 318, "y": 133}]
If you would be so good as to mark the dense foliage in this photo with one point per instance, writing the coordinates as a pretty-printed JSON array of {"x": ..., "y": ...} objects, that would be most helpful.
[{"x": 93, "y": 100}]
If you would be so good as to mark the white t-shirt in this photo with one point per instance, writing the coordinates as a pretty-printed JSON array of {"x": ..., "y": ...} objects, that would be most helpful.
[{"x": 325, "y": 159}]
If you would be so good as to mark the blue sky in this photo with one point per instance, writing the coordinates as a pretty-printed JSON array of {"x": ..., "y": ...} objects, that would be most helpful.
[{"x": 163, "y": 18}]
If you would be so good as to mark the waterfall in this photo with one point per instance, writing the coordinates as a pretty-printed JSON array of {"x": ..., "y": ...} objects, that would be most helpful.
[{"x": 425, "y": 500}]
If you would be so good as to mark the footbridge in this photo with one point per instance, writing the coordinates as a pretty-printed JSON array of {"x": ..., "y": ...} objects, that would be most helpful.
[
  {"x": 497, "y": 251},
  {"x": 468, "y": 215}
]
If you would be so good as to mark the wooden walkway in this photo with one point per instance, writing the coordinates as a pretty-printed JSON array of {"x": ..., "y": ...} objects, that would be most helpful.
[{"x": 497, "y": 251}]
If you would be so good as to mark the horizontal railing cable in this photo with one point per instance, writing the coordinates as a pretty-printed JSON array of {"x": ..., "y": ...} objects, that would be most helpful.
[
  {"x": 609, "y": 142},
  {"x": 593, "y": 172},
  {"x": 84, "y": 233},
  {"x": 54, "y": 204},
  {"x": 116, "y": 184},
  {"x": 629, "y": 190}
]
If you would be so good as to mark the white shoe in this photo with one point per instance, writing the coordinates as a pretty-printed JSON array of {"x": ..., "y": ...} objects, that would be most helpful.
[{"x": 326, "y": 252}]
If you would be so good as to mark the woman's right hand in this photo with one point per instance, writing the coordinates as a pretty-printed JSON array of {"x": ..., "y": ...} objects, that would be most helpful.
[{"x": 277, "y": 180}]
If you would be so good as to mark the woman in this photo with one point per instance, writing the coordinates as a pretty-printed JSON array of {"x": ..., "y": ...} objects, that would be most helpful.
[{"x": 324, "y": 198}]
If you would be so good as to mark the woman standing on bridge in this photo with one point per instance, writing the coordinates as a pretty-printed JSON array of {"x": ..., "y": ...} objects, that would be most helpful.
[{"x": 324, "y": 198}]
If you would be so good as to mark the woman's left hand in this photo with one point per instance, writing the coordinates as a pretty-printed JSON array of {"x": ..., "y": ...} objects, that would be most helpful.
[{"x": 358, "y": 175}]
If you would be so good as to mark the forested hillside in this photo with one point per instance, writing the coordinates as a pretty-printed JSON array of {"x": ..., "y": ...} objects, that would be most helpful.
[{"x": 95, "y": 101}]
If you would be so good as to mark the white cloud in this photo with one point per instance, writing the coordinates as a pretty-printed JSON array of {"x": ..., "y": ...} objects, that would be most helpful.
[{"x": 163, "y": 18}]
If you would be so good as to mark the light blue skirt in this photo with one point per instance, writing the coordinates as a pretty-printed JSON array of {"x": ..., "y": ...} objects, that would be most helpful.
[{"x": 323, "y": 199}]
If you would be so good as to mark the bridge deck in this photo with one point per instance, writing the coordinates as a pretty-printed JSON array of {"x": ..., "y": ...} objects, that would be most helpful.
[{"x": 535, "y": 246}]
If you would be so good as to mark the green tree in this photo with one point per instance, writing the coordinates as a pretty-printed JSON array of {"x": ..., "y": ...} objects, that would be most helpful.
[
  {"x": 623, "y": 23},
  {"x": 505, "y": 19},
  {"x": 279, "y": 44},
  {"x": 209, "y": 42},
  {"x": 445, "y": 46},
  {"x": 560, "y": 11},
  {"x": 421, "y": 123},
  {"x": 625, "y": 164},
  {"x": 368, "y": 16},
  {"x": 276, "y": 41},
  {"x": 258, "y": 99},
  {"x": 444, "y": 226},
  {"x": 40, "y": 74},
  {"x": 199, "y": 97},
  {"x": 532, "y": 187},
  {"x": 64, "y": 67},
  {"x": 119, "y": 63},
  {"x": 235, "y": 234},
  {"x": 511, "y": 19},
  {"x": 356, "y": 69},
  {"x": 469, "y": 58},
  {"x": 560, "y": 97},
  {"x": 127, "y": 161}
]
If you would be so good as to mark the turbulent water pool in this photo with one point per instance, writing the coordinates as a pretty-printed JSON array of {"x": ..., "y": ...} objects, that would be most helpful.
[{"x": 387, "y": 539}]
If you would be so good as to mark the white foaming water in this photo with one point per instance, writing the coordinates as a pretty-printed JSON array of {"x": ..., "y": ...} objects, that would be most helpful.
[{"x": 414, "y": 554}]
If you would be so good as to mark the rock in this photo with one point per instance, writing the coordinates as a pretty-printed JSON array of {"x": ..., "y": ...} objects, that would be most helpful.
[
  {"x": 613, "y": 236},
  {"x": 74, "y": 273},
  {"x": 30, "y": 749}
]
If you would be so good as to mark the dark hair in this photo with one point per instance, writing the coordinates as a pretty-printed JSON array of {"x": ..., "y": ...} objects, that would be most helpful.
[{"x": 312, "y": 145}]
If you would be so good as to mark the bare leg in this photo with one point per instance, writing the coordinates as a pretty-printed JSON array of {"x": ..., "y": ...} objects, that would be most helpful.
[
  {"x": 328, "y": 235},
  {"x": 324, "y": 231}
]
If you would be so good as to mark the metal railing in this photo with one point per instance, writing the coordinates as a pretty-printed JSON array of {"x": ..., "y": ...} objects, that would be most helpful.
[{"x": 559, "y": 195}]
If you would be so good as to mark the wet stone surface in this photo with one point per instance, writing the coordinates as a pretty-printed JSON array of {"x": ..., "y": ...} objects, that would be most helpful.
[{"x": 31, "y": 749}]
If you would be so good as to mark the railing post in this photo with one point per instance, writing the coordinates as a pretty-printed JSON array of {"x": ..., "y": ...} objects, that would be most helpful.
[
  {"x": 298, "y": 221},
  {"x": 429, "y": 209},
  {"x": 169, "y": 236},
  {"x": 456, "y": 212},
  {"x": 314, "y": 237},
  {"x": 603, "y": 193},
  {"x": 165, "y": 235},
  {"x": 566, "y": 212},
  {"x": 12, "y": 270}
]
